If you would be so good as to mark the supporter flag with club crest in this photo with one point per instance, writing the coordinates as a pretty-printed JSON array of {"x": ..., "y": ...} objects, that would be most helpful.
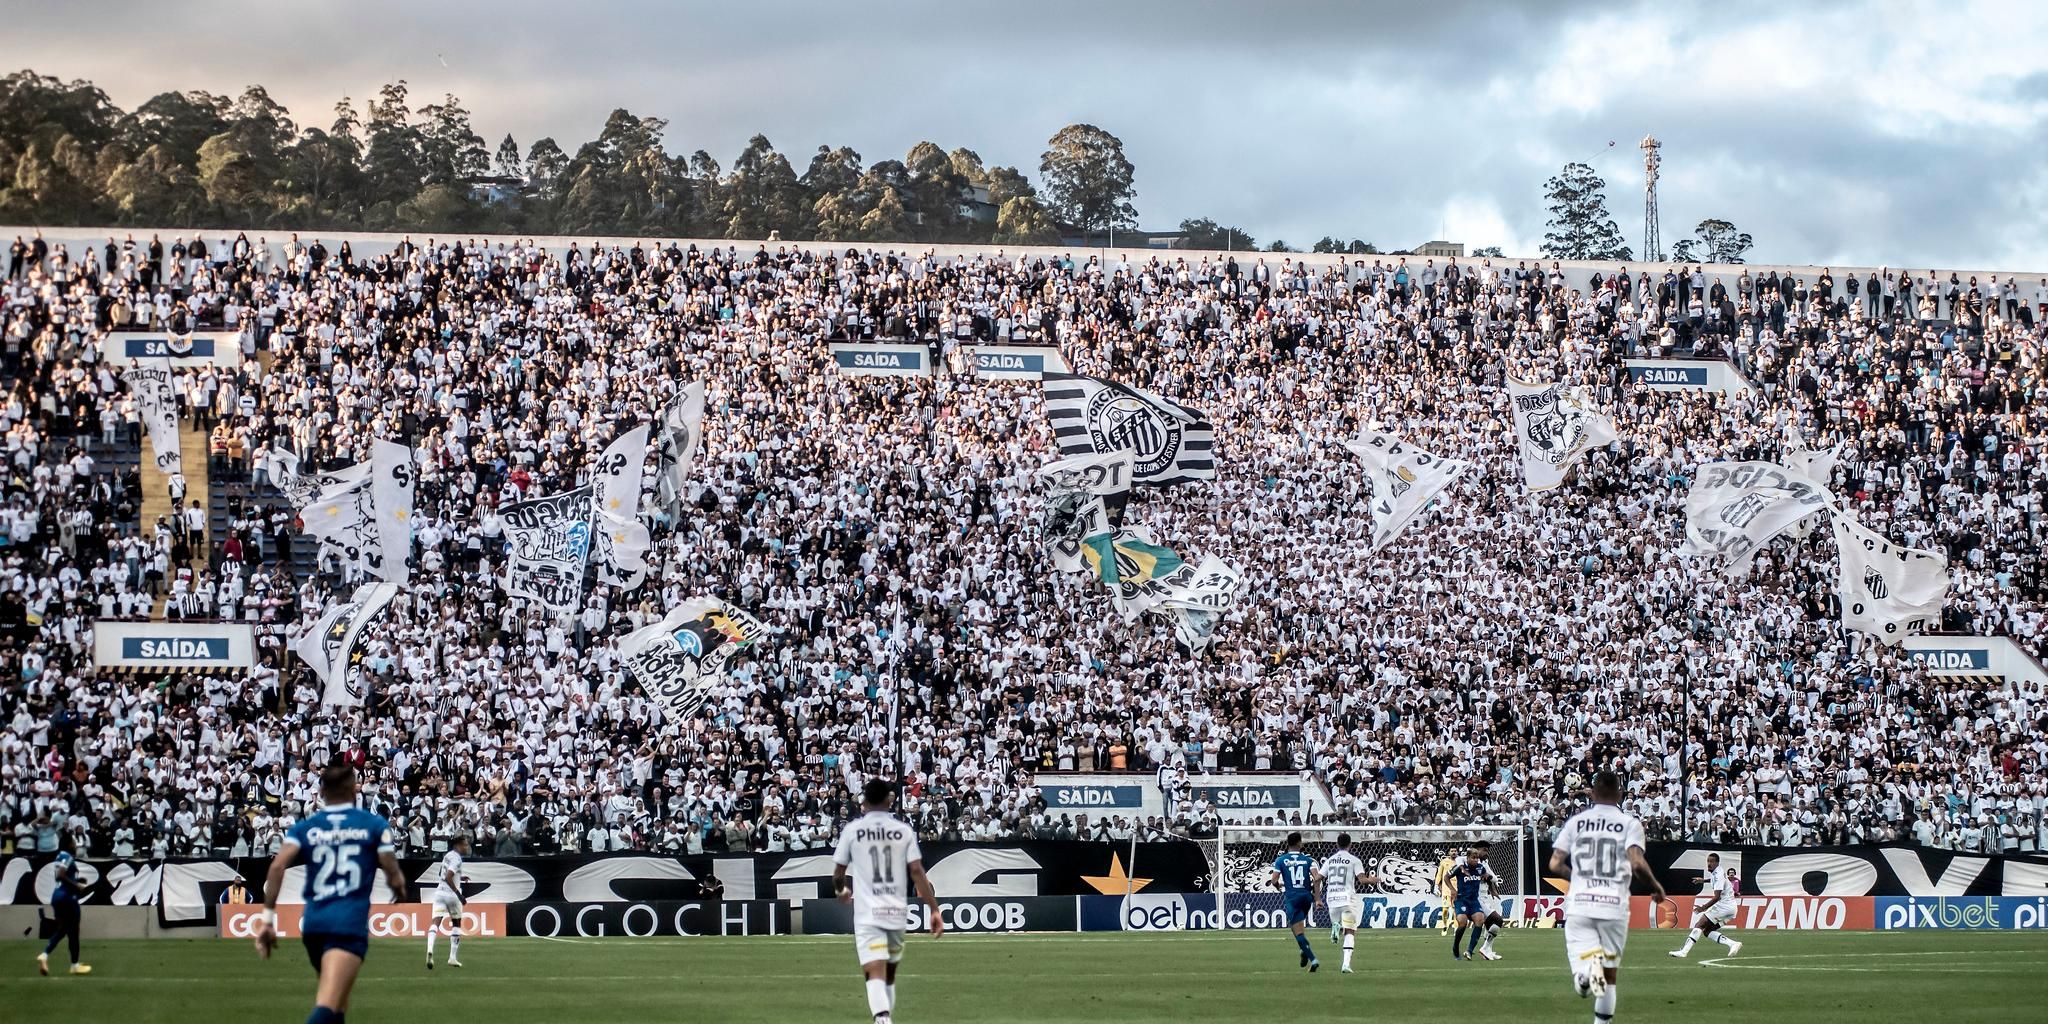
[
  {"x": 327, "y": 644},
  {"x": 1197, "y": 606},
  {"x": 1818, "y": 465},
  {"x": 1405, "y": 480},
  {"x": 156, "y": 398},
  {"x": 1169, "y": 443},
  {"x": 679, "y": 657},
  {"x": 1555, "y": 426},
  {"x": 1735, "y": 508},
  {"x": 1887, "y": 590},
  {"x": 301, "y": 488}
]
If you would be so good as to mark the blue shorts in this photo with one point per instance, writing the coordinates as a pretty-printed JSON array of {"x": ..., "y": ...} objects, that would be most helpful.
[
  {"x": 1298, "y": 907},
  {"x": 318, "y": 943},
  {"x": 1465, "y": 906}
]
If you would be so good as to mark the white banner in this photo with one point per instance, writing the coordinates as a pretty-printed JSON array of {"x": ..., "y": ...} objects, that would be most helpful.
[
  {"x": 327, "y": 644},
  {"x": 621, "y": 551},
  {"x": 1887, "y": 591},
  {"x": 1734, "y": 508},
  {"x": 391, "y": 502},
  {"x": 1820, "y": 466},
  {"x": 156, "y": 396},
  {"x": 1068, "y": 518},
  {"x": 1104, "y": 476},
  {"x": 1554, "y": 427},
  {"x": 1405, "y": 479},
  {"x": 550, "y": 544},
  {"x": 1198, "y": 605},
  {"x": 1139, "y": 572},
  {"x": 621, "y": 540},
  {"x": 679, "y": 657},
  {"x": 300, "y": 489}
]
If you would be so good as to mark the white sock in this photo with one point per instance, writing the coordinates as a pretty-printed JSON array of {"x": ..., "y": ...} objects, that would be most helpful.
[
  {"x": 1724, "y": 938},
  {"x": 892, "y": 997},
  {"x": 878, "y": 996},
  {"x": 1603, "y": 1005},
  {"x": 433, "y": 932},
  {"x": 1349, "y": 941},
  {"x": 455, "y": 946}
]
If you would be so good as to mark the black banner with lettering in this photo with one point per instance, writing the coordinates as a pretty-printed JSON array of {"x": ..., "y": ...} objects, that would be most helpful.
[{"x": 1891, "y": 870}]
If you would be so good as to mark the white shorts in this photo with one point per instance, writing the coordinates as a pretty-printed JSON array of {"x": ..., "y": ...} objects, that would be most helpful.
[
  {"x": 1720, "y": 915},
  {"x": 1593, "y": 939},
  {"x": 875, "y": 944},
  {"x": 1345, "y": 913},
  {"x": 448, "y": 904}
]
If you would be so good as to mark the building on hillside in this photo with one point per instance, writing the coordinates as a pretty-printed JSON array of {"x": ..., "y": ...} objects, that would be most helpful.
[
  {"x": 496, "y": 190},
  {"x": 1439, "y": 247}
]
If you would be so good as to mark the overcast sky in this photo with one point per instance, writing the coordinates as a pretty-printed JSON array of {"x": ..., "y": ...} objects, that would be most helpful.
[{"x": 1834, "y": 132}]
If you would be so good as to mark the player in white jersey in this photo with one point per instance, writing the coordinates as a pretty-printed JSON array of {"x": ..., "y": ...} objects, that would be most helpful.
[
  {"x": 872, "y": 866},
  {"x": 448, "y": 904},
  {"x": 1718, "y": 890},
  {"x": 1601, "y": 850},
  {"x": 1340, "y": 875}
]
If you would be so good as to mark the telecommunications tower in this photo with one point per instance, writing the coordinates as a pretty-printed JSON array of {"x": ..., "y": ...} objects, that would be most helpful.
[{"x": 1653, "y": 158}]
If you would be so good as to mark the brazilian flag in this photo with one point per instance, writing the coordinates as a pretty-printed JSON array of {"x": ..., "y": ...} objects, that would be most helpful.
[{"x": 1127, "y": 558}]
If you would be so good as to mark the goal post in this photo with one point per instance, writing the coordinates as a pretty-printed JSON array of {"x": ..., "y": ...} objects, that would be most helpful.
[{"x": 1405, "y": 857}]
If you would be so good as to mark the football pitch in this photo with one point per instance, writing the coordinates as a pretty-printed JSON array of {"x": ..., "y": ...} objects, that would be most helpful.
[{"x": 1781, "y": 977}]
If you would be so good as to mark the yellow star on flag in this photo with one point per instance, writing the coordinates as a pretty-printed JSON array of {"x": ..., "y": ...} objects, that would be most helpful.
[{"x": 1116, "y": 883}]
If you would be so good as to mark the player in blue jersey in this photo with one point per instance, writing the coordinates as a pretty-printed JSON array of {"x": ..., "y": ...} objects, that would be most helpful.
[
  {"x": 1471, "y": 876},
  {"x": 64, "y": 899},
  {"x": 1295, "y": 872},
  {"x": 342, "y": 846}
]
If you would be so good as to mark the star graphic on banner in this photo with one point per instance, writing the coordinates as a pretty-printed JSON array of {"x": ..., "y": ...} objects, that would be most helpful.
[
  {"x": 615, "y": 503},
  {"x": 1116, "y": 883}
]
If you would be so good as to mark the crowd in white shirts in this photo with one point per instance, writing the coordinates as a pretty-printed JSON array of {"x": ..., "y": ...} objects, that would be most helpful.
[{"x": 1479, "y": 669}]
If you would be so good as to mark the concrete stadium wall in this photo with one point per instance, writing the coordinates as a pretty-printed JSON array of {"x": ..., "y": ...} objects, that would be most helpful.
[
  {"x": 369, "y": 243},
  {"x": 99, "y": 922}
]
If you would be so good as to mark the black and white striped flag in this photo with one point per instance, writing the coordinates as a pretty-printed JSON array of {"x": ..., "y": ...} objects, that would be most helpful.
[{"x": 1169, "y": 443}]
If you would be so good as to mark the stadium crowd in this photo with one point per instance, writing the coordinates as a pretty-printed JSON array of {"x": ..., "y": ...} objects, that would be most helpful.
[{"x": 1477, "y": 670}]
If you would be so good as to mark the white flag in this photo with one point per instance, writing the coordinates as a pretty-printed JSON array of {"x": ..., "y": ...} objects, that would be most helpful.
[
  {"x": 392, "y": 475},
  {"x": 1887, "y": 591},
  {"x": 1818, "y": 465},
  {"x": 1554, "y": 427},
  {"x": 156, "y": 396},
  {"x": 621, "y": 551},
  {"x": 301, "y": 488},
  {"x": 676, "y": 659},
  {"x": 1069, "y": 517},
  {"x": 682, "y": 433},
  {"x": 1735, "y": 508},
  {"x": 1404, "y": 481},
  {"x": 1197, "y": 606},
  {"x": 1104, "y": 476},
  {"x": 327, "y": 644}
]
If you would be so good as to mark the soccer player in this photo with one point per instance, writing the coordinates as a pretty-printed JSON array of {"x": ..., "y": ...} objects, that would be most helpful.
[
  {"x": 1469, "y": 878},
  {"x": 1710, "y": 919},
  {"x": 1294, "y": 872},
  {"x": 64, "y": 908},
  {"x": 882, "y": 855},
  {"x": 1490, "y": 929},
  {"x": 1446, "y": 888},
  {"x": 1340, "y": 875},
  {"x": 448, "y": 904},
  {"x": 344, "y": 847},
  {"x": 1600, "y": 849}
]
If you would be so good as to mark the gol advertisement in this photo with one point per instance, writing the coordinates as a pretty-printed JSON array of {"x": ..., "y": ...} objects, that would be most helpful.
[{"x": 387, "y": 920}]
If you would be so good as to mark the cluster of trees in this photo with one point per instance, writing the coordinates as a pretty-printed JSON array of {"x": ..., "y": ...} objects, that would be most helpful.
[
  {"x": 1581, "y": 229},
  {"x": 68, "y": 155}
]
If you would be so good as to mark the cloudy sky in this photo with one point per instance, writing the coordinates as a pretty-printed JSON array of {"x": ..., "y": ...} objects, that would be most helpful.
[{"x": 1834, "y": 132}]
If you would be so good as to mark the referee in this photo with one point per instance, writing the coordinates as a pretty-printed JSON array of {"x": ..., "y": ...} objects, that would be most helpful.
[{"x": 64, "y": 907}]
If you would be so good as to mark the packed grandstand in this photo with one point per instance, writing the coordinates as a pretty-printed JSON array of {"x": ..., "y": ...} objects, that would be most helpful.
[{"x": 885, "y": 528}]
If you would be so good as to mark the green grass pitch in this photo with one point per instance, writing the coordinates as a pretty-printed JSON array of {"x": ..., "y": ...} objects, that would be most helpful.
[{"x": 1781, "y": 978}]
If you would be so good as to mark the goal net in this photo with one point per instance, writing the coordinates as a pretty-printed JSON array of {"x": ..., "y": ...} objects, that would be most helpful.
[{"x": 1405, "y": 858}]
